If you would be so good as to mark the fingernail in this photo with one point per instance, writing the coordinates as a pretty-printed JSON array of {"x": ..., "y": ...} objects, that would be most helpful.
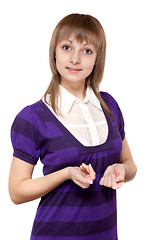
[{"x": 91, "y": 182}]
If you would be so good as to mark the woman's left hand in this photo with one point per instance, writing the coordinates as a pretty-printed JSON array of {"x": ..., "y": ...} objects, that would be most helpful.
[{"x": 114, "y": 176}]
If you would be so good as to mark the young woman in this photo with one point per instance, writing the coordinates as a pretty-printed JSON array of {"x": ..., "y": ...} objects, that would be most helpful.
[{"x": 78, "y": 134}]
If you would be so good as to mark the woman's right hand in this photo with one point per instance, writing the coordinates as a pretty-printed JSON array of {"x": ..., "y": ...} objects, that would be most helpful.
[{"x": 82, "y": 176}]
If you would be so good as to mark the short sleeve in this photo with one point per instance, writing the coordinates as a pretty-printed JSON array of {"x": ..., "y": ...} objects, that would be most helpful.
[
  {"x": 25, "y": 135},
  {"x": 113, "y": 105}
]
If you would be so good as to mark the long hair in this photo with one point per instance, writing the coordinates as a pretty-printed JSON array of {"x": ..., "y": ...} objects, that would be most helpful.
[{"x": 84, "y": 27}]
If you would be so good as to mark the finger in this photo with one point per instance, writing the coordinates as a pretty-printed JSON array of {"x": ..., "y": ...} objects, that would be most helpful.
[
  {"x": 92, "y": 172},
  {"x": 89, "y": 169},
  {"x": 109, "y": 180},
  {"x": 119, "y": 178},
  {"x": 105, "y": 180},
  {"x": 101, "y": 181},
  {"x": 84, "y": 166},
  {"x": 85, "y": 180},
  {"x": 114, "y": 184},
  {"x": 108, "y": 170},
  {"x": 118, "y": 185},
  {"x": 83, "y": 169}
]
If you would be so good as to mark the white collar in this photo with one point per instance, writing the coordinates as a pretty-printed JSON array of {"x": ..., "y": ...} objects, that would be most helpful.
[{"x": 66, "y": 101}]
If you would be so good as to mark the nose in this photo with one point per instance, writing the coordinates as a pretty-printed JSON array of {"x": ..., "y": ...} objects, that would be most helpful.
[{"x": 75, "y": 58}]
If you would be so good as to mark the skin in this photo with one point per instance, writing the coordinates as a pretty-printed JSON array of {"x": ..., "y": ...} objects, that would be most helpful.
[
  {"x": 71, "y": 54},
  {"x": 74, "y": 61},
  {"x": 116, "y": 174}
]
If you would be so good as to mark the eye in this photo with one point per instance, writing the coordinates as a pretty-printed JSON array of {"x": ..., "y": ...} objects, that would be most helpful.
[
  {"x": 66, "y": 47},
  {"x": 88, "y": 51}
]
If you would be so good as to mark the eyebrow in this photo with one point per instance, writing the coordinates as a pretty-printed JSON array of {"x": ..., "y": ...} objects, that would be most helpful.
[{"x": 83, "y": 44}]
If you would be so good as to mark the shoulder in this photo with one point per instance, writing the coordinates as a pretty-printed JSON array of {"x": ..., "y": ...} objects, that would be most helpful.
[
  {"x": 26, "y": 134},
  {"x": 29, "y": 111},
  {"x": 112, "y": 103},
  {"x": 109, "y": 99},
  {"x": 29, "y": 114}
]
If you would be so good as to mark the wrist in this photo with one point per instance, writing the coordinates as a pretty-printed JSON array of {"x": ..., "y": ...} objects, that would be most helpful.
[
  {"x": 124, "y": 169},
  {"x": 130, "y": 170},
  {"x": 68, "y": 173}
]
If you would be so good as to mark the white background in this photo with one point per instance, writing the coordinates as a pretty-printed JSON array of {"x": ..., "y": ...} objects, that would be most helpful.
[{"x": 25, "y": 31}]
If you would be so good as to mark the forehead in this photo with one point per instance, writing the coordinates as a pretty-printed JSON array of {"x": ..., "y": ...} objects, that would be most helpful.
[
  {"x": 72, "y": 39},
  {"x": 79, "y": 37}
]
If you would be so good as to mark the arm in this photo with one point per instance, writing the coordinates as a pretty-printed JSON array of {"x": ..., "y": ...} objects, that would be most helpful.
[
  {"x": 124, "y": 171},
  {"x": 127, "y": 161},
  {"x": 22, "y": 188}
]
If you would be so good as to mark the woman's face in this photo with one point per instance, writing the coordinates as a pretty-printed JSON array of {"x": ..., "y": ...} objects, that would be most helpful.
[{"x": 74, "y": 60}]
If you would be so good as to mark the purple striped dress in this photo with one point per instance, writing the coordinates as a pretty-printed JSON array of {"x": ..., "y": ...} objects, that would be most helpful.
[{"x": 70, "y": 212}]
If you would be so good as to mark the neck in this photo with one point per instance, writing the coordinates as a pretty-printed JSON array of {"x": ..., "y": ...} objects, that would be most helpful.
[{"x": 77, "y": 89}]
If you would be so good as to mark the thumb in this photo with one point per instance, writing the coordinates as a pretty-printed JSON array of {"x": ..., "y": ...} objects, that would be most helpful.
[
  {"x": 119, "y": 178},
  {"x": 86, "y": 180}
]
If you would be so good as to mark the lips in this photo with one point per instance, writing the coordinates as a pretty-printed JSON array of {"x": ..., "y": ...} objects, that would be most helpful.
[{"x": 73, "y": 69}]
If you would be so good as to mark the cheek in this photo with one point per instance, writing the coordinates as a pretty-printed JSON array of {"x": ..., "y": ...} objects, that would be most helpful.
[
  {"x": 59, "y": 59},
  {"x": 89, "y": 67},
  {"x": 59, "y": 63}
]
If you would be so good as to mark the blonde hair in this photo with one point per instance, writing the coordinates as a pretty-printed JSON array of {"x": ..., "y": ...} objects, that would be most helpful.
[{"x": 83, "y": 27}]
